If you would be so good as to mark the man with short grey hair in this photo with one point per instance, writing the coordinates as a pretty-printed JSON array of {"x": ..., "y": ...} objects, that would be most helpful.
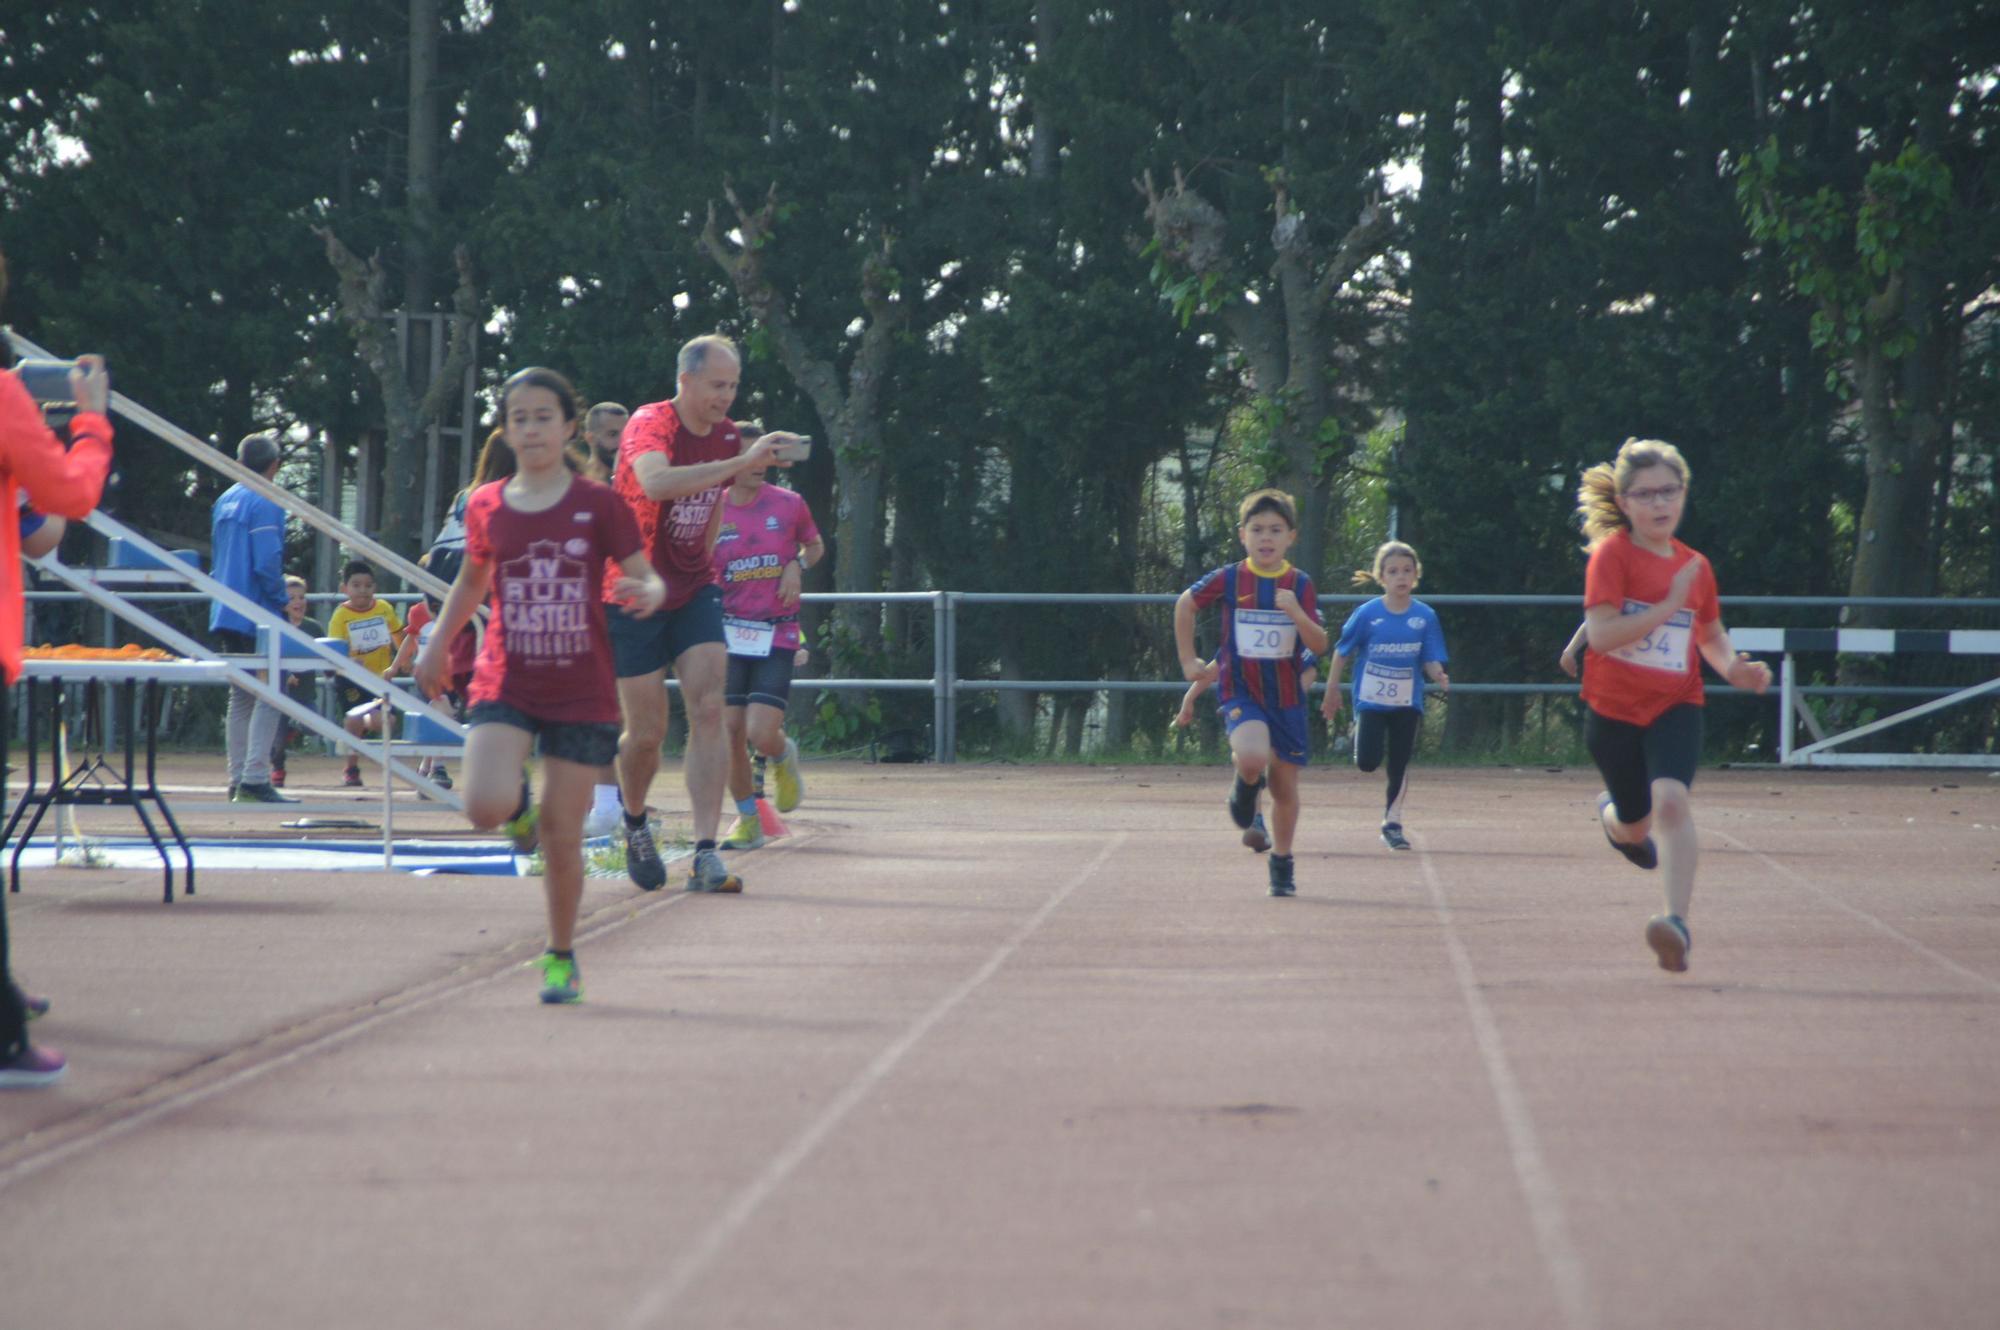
[
  {"x": 602, "y": 425},
  {"x": 247, "y": 535},
  {"x": 674, "y": 462}
]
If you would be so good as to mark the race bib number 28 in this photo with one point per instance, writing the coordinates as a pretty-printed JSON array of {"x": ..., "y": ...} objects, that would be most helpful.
[
  {"x": 1266, "y": 635},
  {"x": 1388, "y": 685}
]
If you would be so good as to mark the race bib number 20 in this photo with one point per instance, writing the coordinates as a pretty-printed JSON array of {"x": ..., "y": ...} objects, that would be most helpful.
[{"x": 1266, "y": 635}]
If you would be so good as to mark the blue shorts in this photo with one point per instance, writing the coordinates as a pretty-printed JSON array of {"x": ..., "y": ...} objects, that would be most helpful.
[
  {"x": 641, "y": 646},
  {"x": 1286, "y": 724}
]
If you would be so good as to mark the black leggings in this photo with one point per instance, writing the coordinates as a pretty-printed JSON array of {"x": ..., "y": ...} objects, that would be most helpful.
[
  {"x": 1631, "y": 757},
  {"x": 1397, "y": 732},
  {"x": 13, "y": 1015}
]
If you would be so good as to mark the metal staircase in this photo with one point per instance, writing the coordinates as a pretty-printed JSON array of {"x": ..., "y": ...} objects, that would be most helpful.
[{"x": 281, "y": 639}]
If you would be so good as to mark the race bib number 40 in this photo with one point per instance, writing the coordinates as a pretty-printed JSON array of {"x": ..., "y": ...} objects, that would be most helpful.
[
  {"x": 748, "y": 637},
  {"x": 1665, "y": 648},
  {"x": 1388, "y": 685},
  {"x": 1266, "y": 635},
  {"x": 366, "y": 635}
]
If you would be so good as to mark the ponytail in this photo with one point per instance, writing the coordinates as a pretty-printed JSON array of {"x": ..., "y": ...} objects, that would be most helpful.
[{"x": 1598, "y": 489}]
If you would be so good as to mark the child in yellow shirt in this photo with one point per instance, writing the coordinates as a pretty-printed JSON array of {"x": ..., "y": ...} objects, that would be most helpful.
[{"x": 373, "y": 632}]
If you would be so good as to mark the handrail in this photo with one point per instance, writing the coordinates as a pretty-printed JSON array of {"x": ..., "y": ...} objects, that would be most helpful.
[
  {"x": 217, "y": 460},
  {"x": 280, "y": 628}
]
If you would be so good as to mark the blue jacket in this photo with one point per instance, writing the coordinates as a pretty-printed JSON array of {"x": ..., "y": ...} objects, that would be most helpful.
[{"x": 248, "y": 534}]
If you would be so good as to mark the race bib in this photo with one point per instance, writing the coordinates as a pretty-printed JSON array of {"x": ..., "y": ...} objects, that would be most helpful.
[
  {"x": 1665, "y": 648},
  {"x": 748, "y": 637},
  {"x": 1388, "y": 685},
  {"x": 366, "y": 635},
  {"x": 424, "y": 634},
  {"x": 1266, "y": 635}
]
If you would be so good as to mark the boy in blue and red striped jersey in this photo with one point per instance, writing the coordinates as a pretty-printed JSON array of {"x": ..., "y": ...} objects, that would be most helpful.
[{"x": 1271, "y": 610}]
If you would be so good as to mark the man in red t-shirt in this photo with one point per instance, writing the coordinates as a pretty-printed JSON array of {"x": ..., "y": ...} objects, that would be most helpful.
[{"x": 675, "y": 459}]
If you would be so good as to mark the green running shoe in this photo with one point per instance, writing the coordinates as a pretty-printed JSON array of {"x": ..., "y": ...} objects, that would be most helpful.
[
  {"x": 791, "y": 782},
  {"x": 747, "y": 834},
  {"x": 562, "y": 978}
]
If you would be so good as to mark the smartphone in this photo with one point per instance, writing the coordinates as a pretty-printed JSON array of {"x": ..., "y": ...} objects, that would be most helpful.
[
  {"x": 796, "y": 451},
  {"x": 47, "y": 381}
]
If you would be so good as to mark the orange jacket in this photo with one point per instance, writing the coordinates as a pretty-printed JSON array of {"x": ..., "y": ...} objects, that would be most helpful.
[{"x": 60, "y": 482}]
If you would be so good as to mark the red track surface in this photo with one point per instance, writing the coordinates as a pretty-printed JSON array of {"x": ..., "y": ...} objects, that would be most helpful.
[{"x": 1031, "y": 1047}]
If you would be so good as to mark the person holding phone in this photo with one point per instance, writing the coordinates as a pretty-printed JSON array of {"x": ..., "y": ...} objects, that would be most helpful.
[{"x": 675, "y": 459}]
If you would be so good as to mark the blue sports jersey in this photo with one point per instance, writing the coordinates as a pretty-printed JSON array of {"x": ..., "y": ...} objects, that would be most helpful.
[{"x": 1389, "y": 652}]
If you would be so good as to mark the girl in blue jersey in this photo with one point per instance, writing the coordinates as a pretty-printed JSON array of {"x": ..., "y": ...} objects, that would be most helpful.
[
  {"x": 1271, "y": 610},
  {"x": 1396, "y": 644}
]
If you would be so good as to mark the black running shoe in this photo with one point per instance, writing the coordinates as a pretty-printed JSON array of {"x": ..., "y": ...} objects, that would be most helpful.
[
  {"x": 1281, "y": 875},
  {"x": 642, "y": 858},
  {"x": 1392, "y": 836},
  {"x": 1243, "y": 802},
  {"x": 1256, "y": 836},
  {"x": 1643, "y": 854}
]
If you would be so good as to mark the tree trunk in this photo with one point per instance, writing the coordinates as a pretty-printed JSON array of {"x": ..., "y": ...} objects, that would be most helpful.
[{"x": 403, "y": 461}]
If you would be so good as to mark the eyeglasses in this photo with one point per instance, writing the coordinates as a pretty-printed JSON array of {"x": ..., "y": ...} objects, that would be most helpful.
[{"x": 1658, "y": 494}]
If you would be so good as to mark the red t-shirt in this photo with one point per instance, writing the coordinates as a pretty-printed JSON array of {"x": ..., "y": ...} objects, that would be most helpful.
[
  {"x": 59, "y": 482},
  {"x": 1641, "y": 679},
  {"x": 546, "y": 650},
  {"x": 675, "y": 530}
]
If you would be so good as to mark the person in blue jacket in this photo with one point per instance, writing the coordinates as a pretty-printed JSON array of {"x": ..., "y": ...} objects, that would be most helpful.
[
  {"x": 1396, "y": 645},
  {"x": 247, "y": 532}
]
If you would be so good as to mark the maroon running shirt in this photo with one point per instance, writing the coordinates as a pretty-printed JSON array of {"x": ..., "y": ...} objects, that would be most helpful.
[
  {"x": 675, "y": 530},
  {"x": 546, "y": 650}
]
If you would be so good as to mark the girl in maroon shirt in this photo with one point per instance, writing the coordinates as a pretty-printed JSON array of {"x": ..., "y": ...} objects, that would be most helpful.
[{"x": 536, "y": 542}]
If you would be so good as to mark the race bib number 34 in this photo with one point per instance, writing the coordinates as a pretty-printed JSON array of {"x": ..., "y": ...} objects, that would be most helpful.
[
  {"x": 1266, "y": 635},
  {"x": 1665, "y": 648}
]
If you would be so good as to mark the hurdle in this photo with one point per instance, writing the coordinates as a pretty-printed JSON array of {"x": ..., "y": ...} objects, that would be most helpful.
[{"x": 1792, "y": 709}]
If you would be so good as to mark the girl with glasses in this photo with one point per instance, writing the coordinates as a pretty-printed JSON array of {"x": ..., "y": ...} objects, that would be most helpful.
[{"x": 1651, "y": 615}]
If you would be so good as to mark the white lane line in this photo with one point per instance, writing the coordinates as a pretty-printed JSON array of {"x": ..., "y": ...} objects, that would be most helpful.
[
  {"x": 717, "y": 1237},
  {"x": 384, "y": 1010},
  {"x": 1886, "y": 929},
  {"x": 1545, "y": 1207}
]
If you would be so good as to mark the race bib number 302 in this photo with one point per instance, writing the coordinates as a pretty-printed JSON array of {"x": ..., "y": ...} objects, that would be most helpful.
[
  {"x": 1266, "y": 635},
  {"x": 1665, "y": 648},
  {"x": 748, "y": 637}
]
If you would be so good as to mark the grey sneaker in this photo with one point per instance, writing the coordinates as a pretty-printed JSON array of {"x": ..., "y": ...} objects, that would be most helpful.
[
  {"x": 709, "y": 874},
  {"x": 261, "y": 793},
  {"x": 1392, "y": 836},
  {"x": 642, "y": 858},
  {"x": 1256, "y": 836},
  {"x": 1281, "y": 875},
  {"x": 1667, "y": 935}
]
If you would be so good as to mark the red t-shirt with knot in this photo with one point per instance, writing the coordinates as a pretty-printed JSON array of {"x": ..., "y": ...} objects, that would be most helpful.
[
  {"x": 1640, "y": 680},
  {"x": 547, "y": 652},
  {"x": 676, "y": 531}
]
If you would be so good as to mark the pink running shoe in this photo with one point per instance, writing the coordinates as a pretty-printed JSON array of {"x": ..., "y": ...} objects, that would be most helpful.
[{"x": 32, "y": 1067}]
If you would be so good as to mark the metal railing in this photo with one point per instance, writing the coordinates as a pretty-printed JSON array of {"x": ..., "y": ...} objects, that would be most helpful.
[{"x": 946, "y": 686}]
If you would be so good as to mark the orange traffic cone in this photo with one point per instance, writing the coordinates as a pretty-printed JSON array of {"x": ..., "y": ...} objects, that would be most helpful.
[{"x": 768, "y": 820}]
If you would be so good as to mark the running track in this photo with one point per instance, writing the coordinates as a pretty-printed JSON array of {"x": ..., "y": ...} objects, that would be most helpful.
[{"x": 998, "y": 1046}]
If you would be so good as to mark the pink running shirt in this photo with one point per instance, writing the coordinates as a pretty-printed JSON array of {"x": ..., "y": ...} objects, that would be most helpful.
[{"x": 757, "y": 540}]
